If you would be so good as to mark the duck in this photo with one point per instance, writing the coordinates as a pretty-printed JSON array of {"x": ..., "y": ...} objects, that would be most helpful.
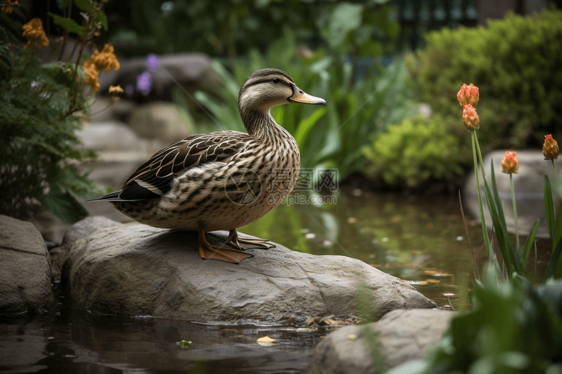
[{"x": 225, "y": 179}]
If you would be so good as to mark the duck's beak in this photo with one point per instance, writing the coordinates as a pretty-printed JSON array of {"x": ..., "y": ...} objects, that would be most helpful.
[{"x": 299, "y": 96}]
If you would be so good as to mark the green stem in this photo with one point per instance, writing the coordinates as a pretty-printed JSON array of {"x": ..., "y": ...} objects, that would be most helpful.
[
  {"x": 482, "y": 220},
  {"x": 554, "y": 167},
  {"x": 514, "y": 210},
  {"x": 479, "y": 154}
]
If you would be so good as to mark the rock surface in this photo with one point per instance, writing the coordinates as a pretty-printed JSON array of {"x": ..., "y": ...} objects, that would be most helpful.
[
  {"x": 25, "y": 273},
  {"x": 79, "y": 230},
  {"x": 136, "y": 269},
  {"x": 403, "y": 335},
  {"x": 528, "y": 185},
  {"x": 159, "y": 120}
]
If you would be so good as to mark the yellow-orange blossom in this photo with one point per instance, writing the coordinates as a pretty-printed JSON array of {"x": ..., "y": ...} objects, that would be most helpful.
[
  {"x": 510, "y": 163},
  {"x": 105, "y": 59},
  {"x": 550, "y": 148},
  {"x": 33, "y": 31}
]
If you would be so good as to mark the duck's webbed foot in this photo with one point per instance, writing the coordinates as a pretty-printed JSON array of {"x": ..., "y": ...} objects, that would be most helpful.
[
  {"x": 241, "y": 243},
  {"x": 215, "y": 252}
]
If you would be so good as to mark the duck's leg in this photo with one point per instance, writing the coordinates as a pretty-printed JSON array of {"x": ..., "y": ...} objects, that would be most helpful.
[
  {"x": 241, "y": 243},
  {"x": 214, "y": 252}
]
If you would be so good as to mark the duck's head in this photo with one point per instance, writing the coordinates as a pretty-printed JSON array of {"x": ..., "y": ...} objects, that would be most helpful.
[{"x": 267, "y": 88}]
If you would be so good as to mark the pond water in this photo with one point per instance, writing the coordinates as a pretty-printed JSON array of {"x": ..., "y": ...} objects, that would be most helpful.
[{"x": 419, "y": 239}]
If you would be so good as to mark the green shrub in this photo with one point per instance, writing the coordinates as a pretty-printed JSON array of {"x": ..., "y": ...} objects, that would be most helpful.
[
  {"x": 515, "y": 62},
  {"x": 415, "y": 153}
]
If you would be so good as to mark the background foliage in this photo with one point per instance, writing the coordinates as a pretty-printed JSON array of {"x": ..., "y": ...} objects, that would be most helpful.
[
  {"x": 236, "y": 27},
  {"x": 41, "y": 107},
  {"x": 516, "y": 64},
  {"x": 333, "y": 136}
]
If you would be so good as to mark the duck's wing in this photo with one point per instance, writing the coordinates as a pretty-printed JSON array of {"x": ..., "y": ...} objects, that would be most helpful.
[{"x": 155, "y": 177}]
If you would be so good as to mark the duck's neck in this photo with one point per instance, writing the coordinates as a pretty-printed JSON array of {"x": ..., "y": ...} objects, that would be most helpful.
[{"x": 262, "y": 125}]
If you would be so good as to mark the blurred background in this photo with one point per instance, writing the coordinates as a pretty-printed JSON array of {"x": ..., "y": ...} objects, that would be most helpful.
[{"x": 388, "y": 69}]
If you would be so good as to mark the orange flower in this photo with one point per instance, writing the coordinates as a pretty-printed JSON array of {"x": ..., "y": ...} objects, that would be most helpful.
[
  {"x": 550, "y": 148},
  {"x": 510, "y": 163},
  {"x": 8, "y": 7},
  {"x": 115, "y": 89},
  {"x": 106, "y": 59},
  {"x": 470, "y": 118},
  {"x": 468, "y": 95},
  {"x": 92, "y": 75},
  {"x": 33, "y": 31}
]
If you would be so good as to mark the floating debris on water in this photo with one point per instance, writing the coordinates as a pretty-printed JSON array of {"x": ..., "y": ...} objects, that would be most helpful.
[{"x": 184, "y": 343}]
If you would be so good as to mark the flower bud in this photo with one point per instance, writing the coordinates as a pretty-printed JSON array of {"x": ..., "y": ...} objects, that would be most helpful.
[
  {"x": 510, "y": 163},
  {"x": 550, "y": 148},
  {"x": 468, "y": 95},
  {"x": 470, "y": 118}
]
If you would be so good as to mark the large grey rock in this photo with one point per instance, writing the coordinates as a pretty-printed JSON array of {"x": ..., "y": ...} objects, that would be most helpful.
[
  {"x": 400, "y": 336},
  {"x": 137, "y": 269},
  {"x": 25, "y": 273},
  {"x": 79, "y": 230},
  {"x": 528, "y": 185},
  {"x": 110, "y": 136},
  {"x": 159, "y": 120}
]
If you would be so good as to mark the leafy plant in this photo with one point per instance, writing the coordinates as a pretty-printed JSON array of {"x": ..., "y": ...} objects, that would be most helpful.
[
  {"x": 41, "y": 107},
  {"x": 333, "y": 136},
  {"x": 414, "y": 153}
]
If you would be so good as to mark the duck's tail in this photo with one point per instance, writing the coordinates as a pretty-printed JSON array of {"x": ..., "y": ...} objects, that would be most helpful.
[{"x": 113, "y": 196}]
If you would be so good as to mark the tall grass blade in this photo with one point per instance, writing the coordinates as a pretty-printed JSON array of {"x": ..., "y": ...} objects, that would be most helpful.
[
  {"x": 553, "y": 263},
  {"x": 529, "y": 242},
  {"x": 497, "y": 195},
  {"x": 501, "y": 232},
  {"x": 549, "y": 208}
]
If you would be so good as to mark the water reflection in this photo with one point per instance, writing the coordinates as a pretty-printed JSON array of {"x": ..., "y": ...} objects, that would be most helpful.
[{"x": 74, "y": 343}]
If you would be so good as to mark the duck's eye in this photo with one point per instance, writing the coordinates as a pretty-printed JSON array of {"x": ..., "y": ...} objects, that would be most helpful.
[{"x": 275, "y": 80}]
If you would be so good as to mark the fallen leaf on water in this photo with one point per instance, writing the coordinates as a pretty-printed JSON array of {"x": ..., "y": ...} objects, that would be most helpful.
[
  {"x": 184, "y": 343},
  {"x": 376, "y": 265},
  {"x": 266, "y": 341},
  {"x": 432, "y": 280},
  {"x": 436, "y": 273},
  {"x": 352, "y": 220}
]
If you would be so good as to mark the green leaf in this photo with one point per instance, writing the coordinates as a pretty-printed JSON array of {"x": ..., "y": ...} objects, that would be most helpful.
[
  {"x": 549, "y": 208},
  {"x": 345, "y": 17},
  {"x": 184, "y": 343},
  {"x": 63, "y": 205},
  {"x": 307, "y": 124},
  {"x": 102, "y": 18},
  {"x": 83, "y": 4},
  {"x": 553, "y": 263},
  {"x": 497, "y": 195},
  {"x": 68, "y": 24},
  {"x": 529, "y": 242}
]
